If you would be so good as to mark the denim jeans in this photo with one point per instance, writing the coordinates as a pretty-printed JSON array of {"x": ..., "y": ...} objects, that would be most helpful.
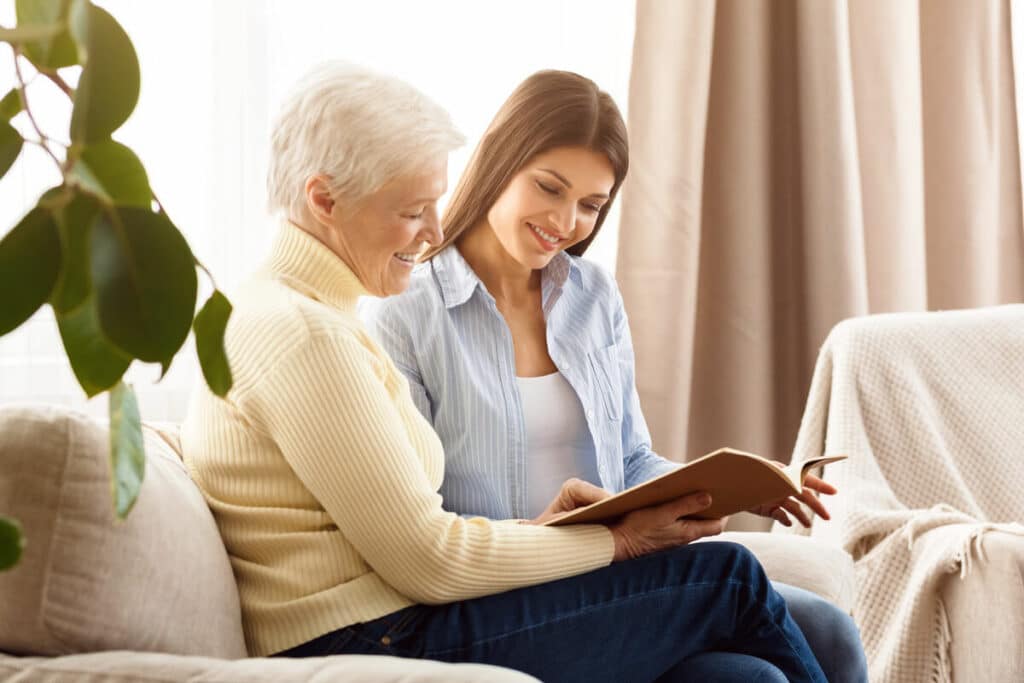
[
  {"x": 655, "y": 618},
  {"x": 831, "y": 633}
]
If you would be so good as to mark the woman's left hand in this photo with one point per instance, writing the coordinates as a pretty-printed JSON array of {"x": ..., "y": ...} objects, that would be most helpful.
[
  {"x": 778, "y": 510},
  {"x": 575, "y": 493}
]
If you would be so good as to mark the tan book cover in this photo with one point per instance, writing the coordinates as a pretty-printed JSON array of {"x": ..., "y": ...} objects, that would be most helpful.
[{"x": 736, "y": 480}]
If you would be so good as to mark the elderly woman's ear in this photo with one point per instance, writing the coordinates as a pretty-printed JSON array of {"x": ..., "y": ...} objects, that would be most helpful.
[{"x": 321, "y": 205}]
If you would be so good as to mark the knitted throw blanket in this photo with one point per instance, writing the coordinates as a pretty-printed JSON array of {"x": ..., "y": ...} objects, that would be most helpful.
[{"x": 930, "y": 409}]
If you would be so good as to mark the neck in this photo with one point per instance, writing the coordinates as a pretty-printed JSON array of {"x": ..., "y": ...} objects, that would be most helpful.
[
  {"x": 508, "y": 281},
  {"x": 328, "y": 238}
]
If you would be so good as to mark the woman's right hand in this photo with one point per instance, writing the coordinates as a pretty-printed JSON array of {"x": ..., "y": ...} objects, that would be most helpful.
[{"x": 660, "y": 527}]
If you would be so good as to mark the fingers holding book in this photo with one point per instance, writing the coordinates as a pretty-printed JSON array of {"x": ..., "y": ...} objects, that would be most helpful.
[
  {"x": 781, "y": 510},
  {"x": 575, "y": 493},
  {"x": 664, "y": 526}
]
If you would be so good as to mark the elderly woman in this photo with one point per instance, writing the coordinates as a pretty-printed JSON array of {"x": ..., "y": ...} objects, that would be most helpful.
[{"x": 324, "y": 476}]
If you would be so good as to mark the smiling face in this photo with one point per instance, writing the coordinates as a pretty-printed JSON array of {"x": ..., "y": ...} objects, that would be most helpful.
[
  {"x": 381, "y": 237},
  {"x": 552, "y": 203}
]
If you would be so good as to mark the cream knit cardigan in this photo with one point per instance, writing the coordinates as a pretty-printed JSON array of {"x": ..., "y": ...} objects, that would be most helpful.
[{"x": 930, "y": 409}]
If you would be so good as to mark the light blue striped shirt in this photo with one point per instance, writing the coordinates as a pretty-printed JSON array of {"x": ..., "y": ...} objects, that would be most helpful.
[{"x": 446, "y": 335}]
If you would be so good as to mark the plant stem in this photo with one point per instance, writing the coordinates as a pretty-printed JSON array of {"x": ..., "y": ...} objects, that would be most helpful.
[
  {"x": 24, "y": 105},
  {"x": 58, "y": 81},
  {"x": 199, "y": 264}
]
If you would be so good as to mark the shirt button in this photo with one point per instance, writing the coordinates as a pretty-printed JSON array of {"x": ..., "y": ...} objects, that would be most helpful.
[{"x": 590, "y": 414}]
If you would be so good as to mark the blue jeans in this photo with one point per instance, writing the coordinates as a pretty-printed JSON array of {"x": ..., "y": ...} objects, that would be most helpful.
[
  {"x": 831, "y": 633},
  {"x": 655, "y": 618}
]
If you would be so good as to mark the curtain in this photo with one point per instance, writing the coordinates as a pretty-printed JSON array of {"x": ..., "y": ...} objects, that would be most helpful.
[{"x": 795, "y": 163}]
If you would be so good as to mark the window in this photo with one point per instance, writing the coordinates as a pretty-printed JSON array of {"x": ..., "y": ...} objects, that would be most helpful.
[{"x": 213, "y": 74}]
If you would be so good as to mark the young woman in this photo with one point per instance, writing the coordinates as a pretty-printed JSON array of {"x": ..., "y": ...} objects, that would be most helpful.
[{"x": 519, "y": 352}]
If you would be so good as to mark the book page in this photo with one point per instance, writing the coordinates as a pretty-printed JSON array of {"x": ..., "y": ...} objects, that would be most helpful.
[{"x": 798, "y": 470}]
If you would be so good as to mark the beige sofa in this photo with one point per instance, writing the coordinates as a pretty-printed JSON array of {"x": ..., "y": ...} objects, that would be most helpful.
[{"x": 152, "y": 598}]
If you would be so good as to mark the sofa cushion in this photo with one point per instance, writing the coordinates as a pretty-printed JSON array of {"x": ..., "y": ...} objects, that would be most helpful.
[
  {"x": 803, "y": 562},
  {"x": 136, "y": 667},
  {"x": 158, "y": 581}
]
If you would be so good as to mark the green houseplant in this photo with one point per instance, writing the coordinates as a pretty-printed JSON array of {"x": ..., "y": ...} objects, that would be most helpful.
[{"x": 99, "y": 248}]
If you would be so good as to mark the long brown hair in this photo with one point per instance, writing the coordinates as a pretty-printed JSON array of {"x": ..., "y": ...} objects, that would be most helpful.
[{"x": 549, "y": 109}]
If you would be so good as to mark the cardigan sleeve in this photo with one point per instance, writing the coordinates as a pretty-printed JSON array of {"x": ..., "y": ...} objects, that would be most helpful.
[{"x": 342, "y": 428}]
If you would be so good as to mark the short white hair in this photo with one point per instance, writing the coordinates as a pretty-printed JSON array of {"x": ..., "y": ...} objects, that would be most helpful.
[{"x": 358, "y": 127}]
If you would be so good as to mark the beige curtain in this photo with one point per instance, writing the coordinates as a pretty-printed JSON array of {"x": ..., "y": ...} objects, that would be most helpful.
[{"x": 795, "y": 163}]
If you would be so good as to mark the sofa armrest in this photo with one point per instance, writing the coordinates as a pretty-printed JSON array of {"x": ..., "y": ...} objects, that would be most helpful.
[
  {"x": 984, "y": 612},
  {"x": 145, "y": 667}
]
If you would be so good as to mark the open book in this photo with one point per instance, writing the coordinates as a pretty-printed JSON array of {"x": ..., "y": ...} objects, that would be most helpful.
[{"x": 736, "y": 480}]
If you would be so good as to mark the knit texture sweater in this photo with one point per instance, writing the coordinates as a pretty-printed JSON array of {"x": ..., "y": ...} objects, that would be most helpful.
[{"x": 323, "y": 476}]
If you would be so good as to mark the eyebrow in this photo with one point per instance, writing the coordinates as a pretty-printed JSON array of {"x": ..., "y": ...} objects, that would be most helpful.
[
  {"x": 424, "y": 199},
  {"x": 565, "y": 181}
]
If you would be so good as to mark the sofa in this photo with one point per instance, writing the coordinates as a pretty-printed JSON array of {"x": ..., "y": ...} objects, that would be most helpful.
[{"x": 152, "y": 597}]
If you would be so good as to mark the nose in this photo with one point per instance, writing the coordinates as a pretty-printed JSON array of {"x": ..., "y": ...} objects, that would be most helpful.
[
  {"x": 431, "y": 232},
  {"x": 565, "y": 218}
]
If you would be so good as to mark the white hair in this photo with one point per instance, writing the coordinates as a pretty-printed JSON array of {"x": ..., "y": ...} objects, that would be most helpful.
[{"x": 359, "y": 128}]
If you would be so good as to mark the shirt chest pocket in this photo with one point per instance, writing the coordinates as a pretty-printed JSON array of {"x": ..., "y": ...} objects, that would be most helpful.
[{"x": 606, "y": 381}]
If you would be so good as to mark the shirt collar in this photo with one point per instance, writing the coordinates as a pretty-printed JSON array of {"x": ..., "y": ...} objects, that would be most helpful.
[
  {"x": 458, "y": 281},
  {"x": 307, "y": 264}
]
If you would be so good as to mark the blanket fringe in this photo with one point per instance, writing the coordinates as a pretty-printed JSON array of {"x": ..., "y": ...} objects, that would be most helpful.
[{"x": 973, "y": 545}]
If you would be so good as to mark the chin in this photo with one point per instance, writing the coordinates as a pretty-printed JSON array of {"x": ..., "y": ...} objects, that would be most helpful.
[{"x": 536, "y": 261}]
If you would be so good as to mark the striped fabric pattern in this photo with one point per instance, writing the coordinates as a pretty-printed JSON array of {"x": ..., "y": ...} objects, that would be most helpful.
[
  {"x": 448, "y": 338},
  {"x": 323, "y": 476}
]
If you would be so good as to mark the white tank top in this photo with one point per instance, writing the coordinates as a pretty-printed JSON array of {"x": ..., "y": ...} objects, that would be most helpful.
[{"x": 558, "y": 442}]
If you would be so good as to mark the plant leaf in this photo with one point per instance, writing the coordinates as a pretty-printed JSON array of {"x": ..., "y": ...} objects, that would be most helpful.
[
  {"x": 12, "y": 542},
  {"x": 109, "y": 87},
  {"x": 57, "y": 51},
  {"x": 145, "y": 282},
  {"x": 127, "y": 455},
  {"x": 10, "y": 146},
  {"x": 112, "y": 171},
  {"x": 209, "y": 326},
  {"x": 98, "y": 365},
  {"x": 74, "y": 224},
  {"x": 25, "y": 34},
  {"x": 10, "y": 105},
  {"x": 30, "y": 261}
]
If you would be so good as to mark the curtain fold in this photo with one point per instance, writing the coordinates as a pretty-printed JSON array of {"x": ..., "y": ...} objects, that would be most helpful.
[{"x": 795, "y": 163}]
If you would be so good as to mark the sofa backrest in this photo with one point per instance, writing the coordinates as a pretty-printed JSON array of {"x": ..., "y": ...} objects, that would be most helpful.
[{"x": 159, "y": 581}]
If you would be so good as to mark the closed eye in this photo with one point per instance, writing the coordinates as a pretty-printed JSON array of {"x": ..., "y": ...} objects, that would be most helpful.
[{"x": 553, "y": 191}]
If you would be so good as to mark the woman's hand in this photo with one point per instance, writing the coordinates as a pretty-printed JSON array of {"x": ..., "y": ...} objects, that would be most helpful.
[
  {"x": 575, "y": 493},
  {"x": 777, "y": 510},
  {"x": 662, "y": 526}
]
